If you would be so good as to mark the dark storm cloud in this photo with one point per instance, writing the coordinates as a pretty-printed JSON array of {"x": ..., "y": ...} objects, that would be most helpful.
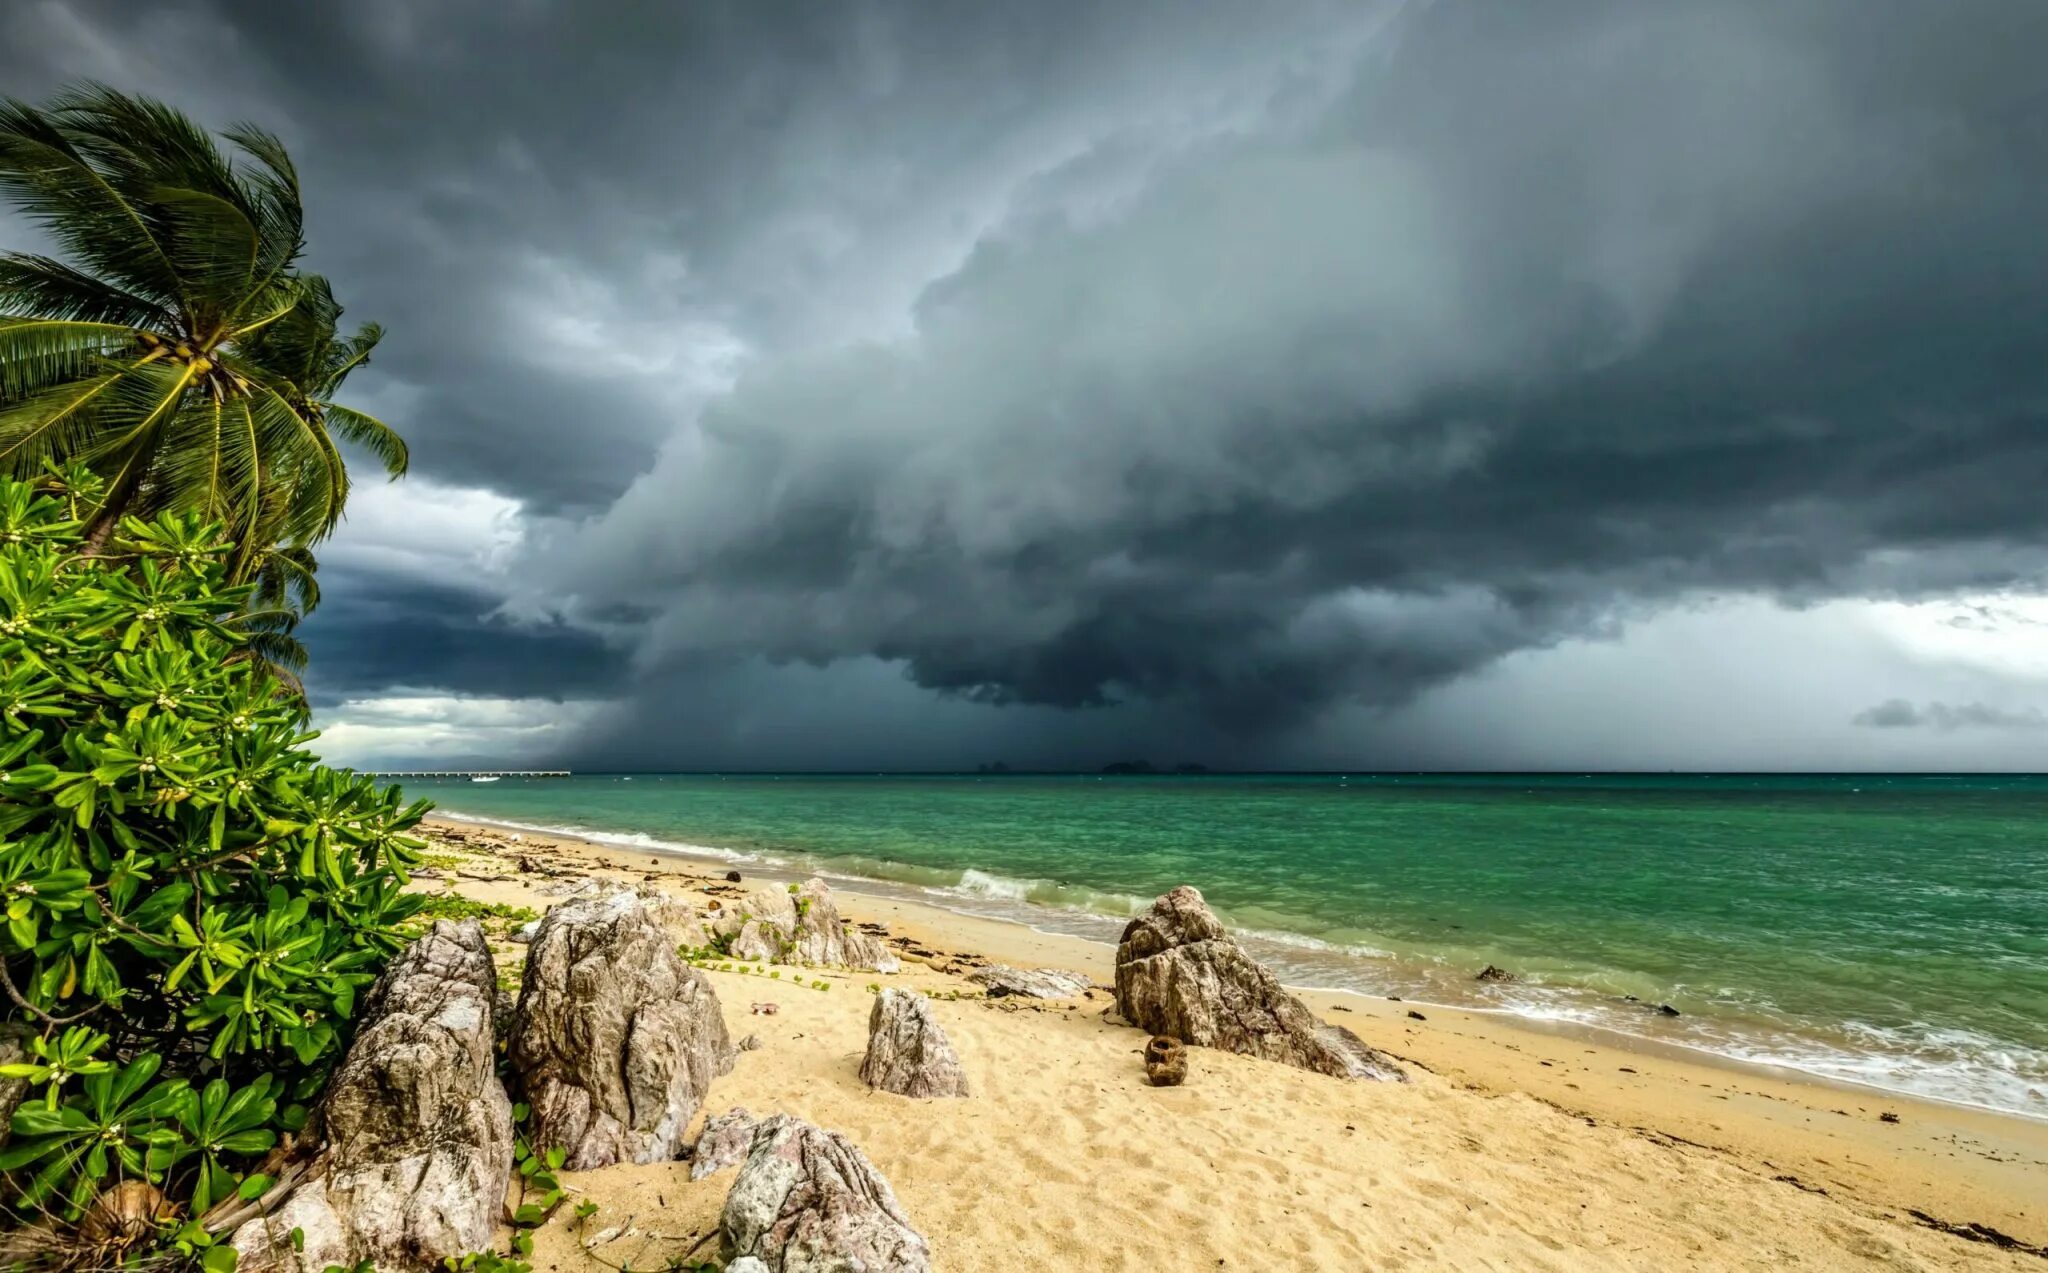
[
  {"x": 1229, "y": 361},
  {"x": 1897, "y": 713},
  {"x": 1556, "y": 311},
  {"x": 393, "y": 632}
]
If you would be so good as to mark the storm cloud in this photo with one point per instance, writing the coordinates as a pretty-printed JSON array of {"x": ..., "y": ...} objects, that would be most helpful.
[{"x": 1138, "y": 376}]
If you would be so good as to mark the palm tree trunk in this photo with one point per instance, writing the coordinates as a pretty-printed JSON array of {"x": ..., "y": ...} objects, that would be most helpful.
[{"x": 104, "y": 521}]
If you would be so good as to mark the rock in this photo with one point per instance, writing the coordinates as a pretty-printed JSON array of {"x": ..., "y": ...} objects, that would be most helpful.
[
  {"x": 908, "y": 1053},
  {"x": 1413, "y": 1015},
  {"x": 679, "y": 917},
  {"x": 504, "y": 1011},
  {"x": 417, "y": 1127},
  {"x": 1032, "y": 983},
  {"x": 732, "y": 877},
  {"x": 1495, "y": 974},
  {"x": 1166, "y": 1062},
  {"x": 1666, "y": 1010},
  {"x": 823, "y": 939},
  {"x": 803, "y": 927},
  {"x": 524, "y": 933},
  {"x": 759, "y": 940},
  {"x": 617, "y": 1039},
  {"x": 723, "y": 1142},
  {"x": 747, "y": 1264},
  {"x": 808, "y": 1201},
  {"x": 752, "y": 1043},
  {"x": 1178, "y": 973}
]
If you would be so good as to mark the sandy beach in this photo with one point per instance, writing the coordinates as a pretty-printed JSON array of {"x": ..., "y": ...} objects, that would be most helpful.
[{"x": 1513, "y": 1147}]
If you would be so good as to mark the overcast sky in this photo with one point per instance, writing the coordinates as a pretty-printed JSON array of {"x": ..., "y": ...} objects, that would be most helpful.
[{"x": 1511, "y": 385}]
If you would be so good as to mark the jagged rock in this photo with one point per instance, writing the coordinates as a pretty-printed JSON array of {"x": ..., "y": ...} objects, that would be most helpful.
[
  {"x": 723, "y": 1142},
  {"x": 804, "y": 927},
  {"x": 1495, "y": 973},
  {"x": 1179, "y": 973},
  {"x": 1166, "y": 1062},
  {"x": 617, "y": 1039},
  {"x": 824, "y": 939},
  {"x": 679, "y": 917},
  {"x": 908, "y": 1053},
  {"x": 808, "y": 1201},
  {"x": 759, "y": 940},
  {"x": 417, "y": 1127},
  {"x": 1032, "y": 983}
]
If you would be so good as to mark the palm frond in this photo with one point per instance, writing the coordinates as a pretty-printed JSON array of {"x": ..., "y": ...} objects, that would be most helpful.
[
  {"x": 45, "y": 353},
  {"x": 47, "y": 288},
  {"x": 368, "y": 432}
]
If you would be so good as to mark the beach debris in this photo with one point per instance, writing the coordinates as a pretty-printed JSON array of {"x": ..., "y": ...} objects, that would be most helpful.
[
  {"x": 764, "y": 1009},
  {"x": 1495, "y": 973},
  {"x": 1178, "y": 973},
  {"x": 732, "y": 877},
  {"x": 1887, "y": 1117},
  {"x": 723, "y": 1142},
  {"x": 1413, "y": 1015},
  {"x": 1031, "y": 983},
  {"x": 416, "y": 1126},
  {"x": 908, "y": 1053},
  {"x": 617, "y": 1038},
  {"x": 1166, "y": 1061},
  {"x": 808, "y": 1200},
  {"x": 124, "y": 1215}
]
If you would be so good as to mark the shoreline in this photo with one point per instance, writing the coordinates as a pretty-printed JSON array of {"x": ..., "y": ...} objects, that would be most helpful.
[
  {"x": 1951, "y": 1163},
  {"x": 1295, "y": 956}
]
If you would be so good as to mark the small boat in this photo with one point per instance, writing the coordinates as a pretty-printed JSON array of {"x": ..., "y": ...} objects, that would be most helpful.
[{"x": 484, "y": 778}]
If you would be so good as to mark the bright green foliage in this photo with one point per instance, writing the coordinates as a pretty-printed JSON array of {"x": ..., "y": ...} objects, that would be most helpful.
[{"x": 185, "y": 888}]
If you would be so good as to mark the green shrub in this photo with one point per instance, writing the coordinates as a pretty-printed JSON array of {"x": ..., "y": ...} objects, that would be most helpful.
[{"x": 192, "y": 902}]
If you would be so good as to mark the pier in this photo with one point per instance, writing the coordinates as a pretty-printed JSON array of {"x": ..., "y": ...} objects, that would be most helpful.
[{"x": 466, "y": 773}]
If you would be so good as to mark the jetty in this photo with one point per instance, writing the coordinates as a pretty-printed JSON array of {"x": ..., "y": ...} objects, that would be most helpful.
[{"x": 466, "y": 773}]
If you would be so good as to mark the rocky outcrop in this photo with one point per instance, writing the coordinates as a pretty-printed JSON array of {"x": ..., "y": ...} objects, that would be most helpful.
[
  {"x": 617, "y": 1039},
  {"x": 801, "y": 927},
  {"x": 1031, "y": 983},
  {"x": 1179, "y": 973},
  {"x": 908, "y": 1053},
  {"x": 417, "y": 1129},
  {"x": 1496, "y": 974},
  {"x": 808, "y": 1201},
  {"x": 723, "y": 1142},
  {"x": 1166, "y": 1062},
  {"x": 823, "y": 939}
]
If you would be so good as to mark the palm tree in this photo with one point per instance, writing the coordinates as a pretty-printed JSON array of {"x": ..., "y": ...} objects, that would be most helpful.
[{"x": 177, "y": 350}]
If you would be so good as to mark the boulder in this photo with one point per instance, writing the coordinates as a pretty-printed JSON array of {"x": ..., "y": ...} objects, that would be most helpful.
[
  {"x": 1179, "y": 973},
  {"x": 617, "y": 1039},
  {"x": 908, "y": 1053},
  {"x": 1495, "y": 973},
  {"x": 802, "y": 927},
  {"x": 723, "y": 1142},
  {"x": 823, "y": 939},
  {"x": 808, "y": 1201},
  {"x": 1031, "y": 983},
  {"x": 417, "y": 1129}
]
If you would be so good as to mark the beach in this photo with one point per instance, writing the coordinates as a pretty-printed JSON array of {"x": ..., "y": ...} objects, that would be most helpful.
[{"x": 1512, "y": 1147}]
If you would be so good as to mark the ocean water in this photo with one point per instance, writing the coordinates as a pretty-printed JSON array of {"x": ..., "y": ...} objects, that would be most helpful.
[{"x": 1886, "y": 930}]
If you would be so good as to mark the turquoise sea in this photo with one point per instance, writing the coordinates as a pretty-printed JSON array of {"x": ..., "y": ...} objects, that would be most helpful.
[{"x": 1888, "y": 930}]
